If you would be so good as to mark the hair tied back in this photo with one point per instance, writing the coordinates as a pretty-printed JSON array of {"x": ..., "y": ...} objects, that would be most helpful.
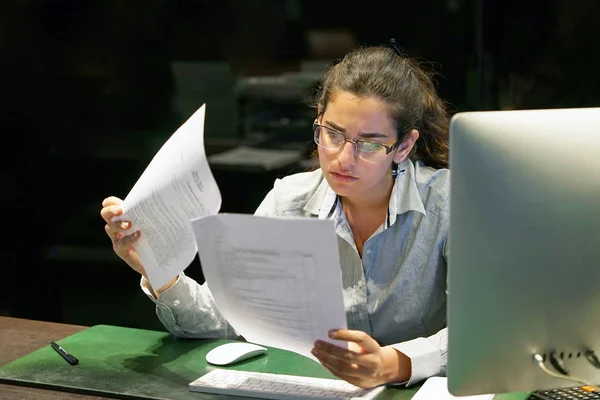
[{"x": 394, "y": 45}]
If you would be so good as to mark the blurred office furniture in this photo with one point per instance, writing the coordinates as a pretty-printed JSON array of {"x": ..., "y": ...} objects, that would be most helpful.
[{"x": 212, "y": 83}]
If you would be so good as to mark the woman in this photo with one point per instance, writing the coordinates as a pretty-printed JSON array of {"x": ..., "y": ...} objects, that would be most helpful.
[{"x": 382, "y": 135}]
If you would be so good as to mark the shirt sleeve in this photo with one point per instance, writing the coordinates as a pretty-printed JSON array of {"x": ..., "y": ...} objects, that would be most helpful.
[
  {"x": 188, "y": 310},
  {"x": 428, "y": 355},
  {"x": 267, "y": 206}
]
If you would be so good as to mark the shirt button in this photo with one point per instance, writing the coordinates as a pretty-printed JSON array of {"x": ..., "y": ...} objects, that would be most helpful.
[{"x": 176, "y": 303}]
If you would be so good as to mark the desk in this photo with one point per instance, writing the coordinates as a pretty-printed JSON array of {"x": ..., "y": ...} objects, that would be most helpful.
[
  {"x": 125, "y": 362},
  {"x": 19, "y": 337}
]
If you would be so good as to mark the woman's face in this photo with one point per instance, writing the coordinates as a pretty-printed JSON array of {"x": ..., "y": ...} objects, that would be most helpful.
[{"x": 360, "y": 118}]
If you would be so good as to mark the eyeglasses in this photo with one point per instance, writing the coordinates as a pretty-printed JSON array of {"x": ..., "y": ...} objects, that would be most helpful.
[{"x": 371, "y": 152}]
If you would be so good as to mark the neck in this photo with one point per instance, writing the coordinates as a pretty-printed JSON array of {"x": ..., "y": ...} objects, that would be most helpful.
[{"x": 377, "y": 198}]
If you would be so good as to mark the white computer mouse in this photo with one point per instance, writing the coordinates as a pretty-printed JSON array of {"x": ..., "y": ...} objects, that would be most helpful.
[{"x": 230, "y": 353}]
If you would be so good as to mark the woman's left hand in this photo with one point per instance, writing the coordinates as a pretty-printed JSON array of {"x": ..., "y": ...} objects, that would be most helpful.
[{"x": 364, "y": 363}]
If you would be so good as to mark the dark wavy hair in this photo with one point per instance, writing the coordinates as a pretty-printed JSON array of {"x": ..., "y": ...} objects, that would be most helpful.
[{"x": 405, "y": 86}]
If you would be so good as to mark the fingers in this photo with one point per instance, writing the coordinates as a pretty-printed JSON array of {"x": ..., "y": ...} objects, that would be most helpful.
[
  {"x": 109, "y": 212},
  {"x": 337, "y": 355},
  {"x": 111, "y": 209},
  {"x": 336, "y": 351},
  {"x": 366, "y": 342},
  {"x": 342, "y": 368},
  {"x": 358, "y": 376},
  {"x": 123, "y": 241},
  {"x": 129, "y": 239},
  {"x": 111, "y": 201},
  {"x": 361, "y": 360},
  {"x": 115, "y": 230},
  {"x": 124, "y": 246},
  {"x": 356, "y": 381}
]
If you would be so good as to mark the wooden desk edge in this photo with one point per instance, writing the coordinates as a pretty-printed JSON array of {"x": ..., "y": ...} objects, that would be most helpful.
[{"x": 19, "y": 337}]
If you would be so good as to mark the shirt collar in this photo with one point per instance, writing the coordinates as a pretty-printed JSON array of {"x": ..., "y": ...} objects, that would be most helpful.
[
  {"x": 405, "y": 196},
  {"x": 322, "y": 202}
]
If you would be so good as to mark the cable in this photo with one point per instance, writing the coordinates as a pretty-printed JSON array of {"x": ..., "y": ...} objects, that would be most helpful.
[
  {"x": 592, "y": 358},
  {"x": 540, "y": 362},
  {"x": 558, "y": 364}
]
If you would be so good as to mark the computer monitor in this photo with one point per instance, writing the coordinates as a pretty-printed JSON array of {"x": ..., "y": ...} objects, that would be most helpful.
[{"x": 524, "y": 248}]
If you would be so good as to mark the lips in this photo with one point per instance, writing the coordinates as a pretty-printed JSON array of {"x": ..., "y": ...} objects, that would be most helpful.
[{"x": 343, "y": 177}]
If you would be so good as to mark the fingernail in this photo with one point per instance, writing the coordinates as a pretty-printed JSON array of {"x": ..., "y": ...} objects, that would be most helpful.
[
  {"x": 319, "y": 344},
  {"x": 332, "y": 333},
  {"x": 315, "y": 352}
]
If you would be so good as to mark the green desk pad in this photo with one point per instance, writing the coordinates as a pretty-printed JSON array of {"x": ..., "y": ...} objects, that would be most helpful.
[{"x": 129, "y": 363}]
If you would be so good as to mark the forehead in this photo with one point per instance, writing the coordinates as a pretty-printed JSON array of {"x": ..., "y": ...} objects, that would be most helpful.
[{"x": 359, "y": 114}]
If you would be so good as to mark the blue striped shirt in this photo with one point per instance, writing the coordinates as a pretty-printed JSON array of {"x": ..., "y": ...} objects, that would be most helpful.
[{"x": 396, "y": 292}]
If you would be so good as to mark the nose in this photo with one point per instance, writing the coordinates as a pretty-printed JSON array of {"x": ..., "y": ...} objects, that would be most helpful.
[{"x": 347, "y": 155}]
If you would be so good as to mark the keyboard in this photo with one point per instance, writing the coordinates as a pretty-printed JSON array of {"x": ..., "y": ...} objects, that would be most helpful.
[
  {"x": 583, "y": 393},
  {"x": 275, "y": 386}
]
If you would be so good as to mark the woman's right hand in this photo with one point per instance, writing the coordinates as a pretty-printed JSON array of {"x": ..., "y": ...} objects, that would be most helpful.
[{"x": 122, "y": 244}]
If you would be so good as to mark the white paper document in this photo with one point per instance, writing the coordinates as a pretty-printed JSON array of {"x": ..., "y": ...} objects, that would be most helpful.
[
  {"x": 276, "y": 280},
  {"x": 437, "y": 388},
  {"x": 176, "y": 187}
]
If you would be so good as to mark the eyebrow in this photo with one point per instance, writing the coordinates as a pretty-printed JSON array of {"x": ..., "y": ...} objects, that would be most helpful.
[{"x": 374, "y": 135}]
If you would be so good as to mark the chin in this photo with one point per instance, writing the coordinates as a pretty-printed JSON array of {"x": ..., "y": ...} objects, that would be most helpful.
[{"x": 341, "y": 188}]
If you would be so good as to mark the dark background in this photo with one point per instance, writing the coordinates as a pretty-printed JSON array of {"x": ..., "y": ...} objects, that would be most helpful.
[{"x": 89, "y": 94}]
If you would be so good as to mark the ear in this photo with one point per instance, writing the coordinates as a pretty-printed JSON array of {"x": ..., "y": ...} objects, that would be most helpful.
[{"x": 406, "y": 146}]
